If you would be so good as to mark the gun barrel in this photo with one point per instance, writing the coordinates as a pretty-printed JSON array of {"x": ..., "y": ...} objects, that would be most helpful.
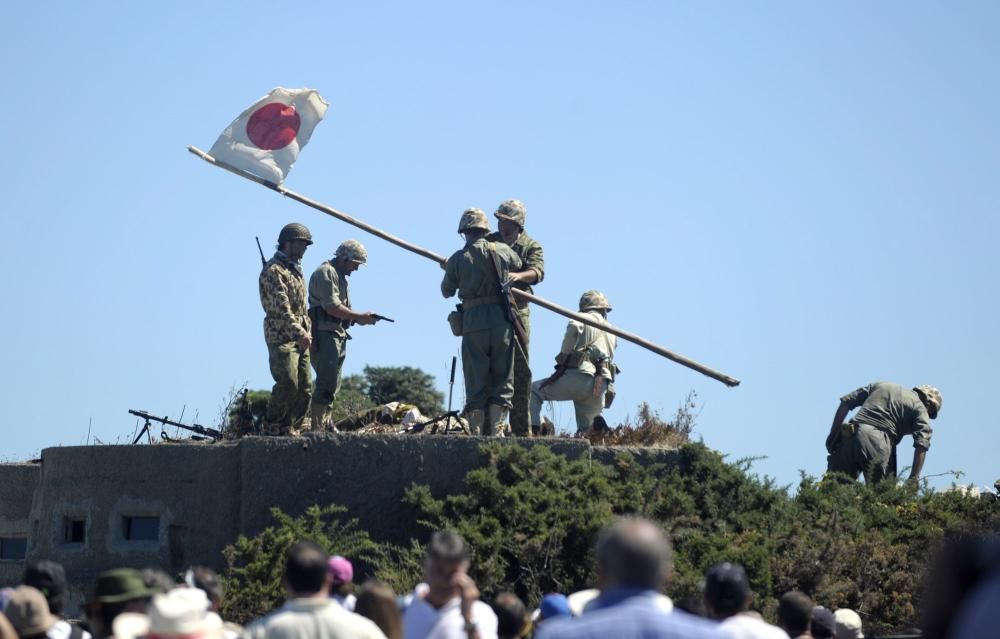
[{"x": 194, "y": 428}]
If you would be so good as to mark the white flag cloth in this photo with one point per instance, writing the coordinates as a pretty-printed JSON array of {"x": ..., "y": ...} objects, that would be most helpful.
[{"x": 266, "y": 139}]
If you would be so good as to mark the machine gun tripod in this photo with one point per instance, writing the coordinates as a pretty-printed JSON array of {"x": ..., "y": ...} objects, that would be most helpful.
[{"x": 203, "y": 432}]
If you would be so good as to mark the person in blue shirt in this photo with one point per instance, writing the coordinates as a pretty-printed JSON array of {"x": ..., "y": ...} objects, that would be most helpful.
[{"x": 633, "y": 564}]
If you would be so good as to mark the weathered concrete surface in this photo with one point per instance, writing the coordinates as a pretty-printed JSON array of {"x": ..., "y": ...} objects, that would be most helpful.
[
  {"x": 17, "y": 486},
  {"x": 207, "y": 495}
]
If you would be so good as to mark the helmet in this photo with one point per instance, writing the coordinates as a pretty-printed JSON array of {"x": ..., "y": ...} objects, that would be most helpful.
[
  {"x": 594, "y": 300},
  {"x": 512, "y": 211},
  {"x": 931, "y": 397},
  {"x": 473, "y": 219},
  {"x": 352, "y": 251},
  {"x": 295, "y": 231}
]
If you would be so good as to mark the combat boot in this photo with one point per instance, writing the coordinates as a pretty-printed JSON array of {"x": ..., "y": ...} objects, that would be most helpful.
[
  {"x": 475, "y": 417},
  {"x": 496, "y": 419}
]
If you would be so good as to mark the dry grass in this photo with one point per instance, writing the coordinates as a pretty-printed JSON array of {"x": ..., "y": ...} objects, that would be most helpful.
[{"x": 649, "y": 429}]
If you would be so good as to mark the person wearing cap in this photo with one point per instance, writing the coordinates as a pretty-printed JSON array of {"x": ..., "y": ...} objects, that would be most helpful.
[
  {"x": 49, "y": 577},
  {"x": 633, "y": 565},
  {"x": 331, "y": 314},
  {"x": 308, "y": 612},
  {"x": 116, "y": 591},
  {"x": 476, "y": 273},
  {"x": 511, "y": 216},
  {"x": 181, "y": 613},
  {"x": 552, "y": 606},
  {"x": 886, "y": 414},
  {"x": 287, "y": 331},
  {"x": 728, "y": 598},
  {"x": 585, "y": 368},
  {"x": 847, "y": 624},
  {"x": 28, "y": 612},
  {"x": 342, "y": 582},
  {"x": 822, "y": 624}
]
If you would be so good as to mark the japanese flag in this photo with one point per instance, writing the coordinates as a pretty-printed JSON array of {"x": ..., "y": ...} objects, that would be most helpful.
[{"x": 265, "y": 140}]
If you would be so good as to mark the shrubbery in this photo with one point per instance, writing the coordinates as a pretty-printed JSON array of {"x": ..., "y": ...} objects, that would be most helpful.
[{"x": 531, "y": 517}]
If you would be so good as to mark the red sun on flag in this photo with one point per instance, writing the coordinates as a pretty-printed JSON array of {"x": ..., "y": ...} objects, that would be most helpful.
[{"x": 273, "y": 126}]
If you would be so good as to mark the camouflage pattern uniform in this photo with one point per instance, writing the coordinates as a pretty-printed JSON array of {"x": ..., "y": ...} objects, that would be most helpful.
[
  {"x": 328, "y": 290},
  {"x": 532, "y": 257},
  {"x": 587, "y": 383},
  {"x": 888, "y": 412},
  {"x": 487, "y": 336},
  {"x": 283, "y": 296}
]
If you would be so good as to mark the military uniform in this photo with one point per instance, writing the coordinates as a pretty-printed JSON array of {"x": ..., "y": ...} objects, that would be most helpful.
[
  {"x": 487, "y": 335},
  {"x": 327, "y": 290},
  {"x": 530, "y": 252},
  {"x": 283, "y": 296},
  {"x": 888, "y": 412},
  {"x": 586, "y": 381}
]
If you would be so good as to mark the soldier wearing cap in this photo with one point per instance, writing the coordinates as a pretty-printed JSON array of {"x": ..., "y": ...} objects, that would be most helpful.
[
  {"x": 287, "y": 330},
  {"x": 887, "y": 413},
  {"x": 511, "y": 216},
  {"x": 585, "y": 368},
  {"x": 475, "y": 273},
  {"x": 331, "y": 315}
]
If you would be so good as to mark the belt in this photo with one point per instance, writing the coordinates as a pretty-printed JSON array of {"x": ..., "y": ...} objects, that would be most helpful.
[{"x": 472, "y": 302}]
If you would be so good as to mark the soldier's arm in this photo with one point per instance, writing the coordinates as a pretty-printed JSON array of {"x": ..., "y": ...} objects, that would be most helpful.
[
  {"x": 533, "y": 265},
  {"x": 838, "y": 419},
  {"x": 342, "y": 312},
  {"x": 919, "y": 455},
  {"x": 449, "y": 284},
  {"x": 572, "y": 337}
]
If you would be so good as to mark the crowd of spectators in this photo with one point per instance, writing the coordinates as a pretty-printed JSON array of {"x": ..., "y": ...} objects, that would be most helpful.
[{"x": 633, "y": 570}]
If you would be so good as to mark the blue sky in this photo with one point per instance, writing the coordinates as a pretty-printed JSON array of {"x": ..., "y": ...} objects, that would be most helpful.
[{"x": 802, "y": 195}]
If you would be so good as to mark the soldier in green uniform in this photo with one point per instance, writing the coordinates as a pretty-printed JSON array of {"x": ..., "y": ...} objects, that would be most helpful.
[
  {"x": 331, "y": 315},
  {"x": 585, "y": 368},
  {"x": 888, "y": 412},
  {"x": 287, "y": 330},
  {"x": 476, "y": 273},
  {"x": 511, "y": 216}
]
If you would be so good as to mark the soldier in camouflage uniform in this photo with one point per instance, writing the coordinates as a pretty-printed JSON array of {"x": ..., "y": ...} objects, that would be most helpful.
[
  {"x": 888, "y": 412},
  {"x": 585, "y": 368},
  {"x": 511, "y": 215},
  {"x": 331, "y": 315},
  {"x": 487, "y": 335},
  {"x": 287, "y": 330}
]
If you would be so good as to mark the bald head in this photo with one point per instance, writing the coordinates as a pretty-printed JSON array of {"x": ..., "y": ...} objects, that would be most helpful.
[{"x": 633, "y": 553}]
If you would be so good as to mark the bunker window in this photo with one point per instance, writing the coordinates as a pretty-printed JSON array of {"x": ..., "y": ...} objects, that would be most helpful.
[{"x": 141, "y": 528}]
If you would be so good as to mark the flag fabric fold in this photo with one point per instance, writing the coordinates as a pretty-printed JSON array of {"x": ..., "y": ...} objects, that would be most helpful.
[{"x": 265, "y": 140}]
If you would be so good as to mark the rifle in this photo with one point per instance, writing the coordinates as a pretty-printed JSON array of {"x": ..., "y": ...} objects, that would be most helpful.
[
  {"x": 507, "y": 301},
  {"x": 207, "y": 433},
  {"x": 263, "y": 262}
]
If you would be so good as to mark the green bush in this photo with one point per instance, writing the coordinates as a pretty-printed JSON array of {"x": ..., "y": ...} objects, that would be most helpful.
[{"x": 532, "y": 516}]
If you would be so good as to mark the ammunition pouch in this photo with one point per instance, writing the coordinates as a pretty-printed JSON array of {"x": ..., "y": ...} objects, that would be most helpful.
[
  {"x": 455, "y": 319},
  {"x": 847, "y": 430}
]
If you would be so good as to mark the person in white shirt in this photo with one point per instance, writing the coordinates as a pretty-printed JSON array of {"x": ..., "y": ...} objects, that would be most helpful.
[
  {"x": 447, "y": 606},
  {"x": 728, "y": 598},
  {"x": 309, "y": 613}
]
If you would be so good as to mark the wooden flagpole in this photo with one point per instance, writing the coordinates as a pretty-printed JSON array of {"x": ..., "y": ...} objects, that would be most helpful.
[{"x": 440, "y": 259}]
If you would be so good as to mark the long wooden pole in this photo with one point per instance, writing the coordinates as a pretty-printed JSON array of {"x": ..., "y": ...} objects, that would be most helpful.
[{"x": 440, "y": 259}]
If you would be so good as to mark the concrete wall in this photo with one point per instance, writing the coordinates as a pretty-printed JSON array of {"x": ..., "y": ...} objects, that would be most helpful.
[
  {"x": 206, "y": 495},
  {"x": 17, "y": 486}
]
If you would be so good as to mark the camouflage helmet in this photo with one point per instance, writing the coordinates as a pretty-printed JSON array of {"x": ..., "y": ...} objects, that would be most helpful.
[
  {"x": 352, "y": 251},
  {"x": 931, "y": 397},
  {"x": 295, "y": 231},
  {"x": 473, "y": 219},
  {"x": 512, "y": 211},
  {"x": 594, "y": 300}
]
